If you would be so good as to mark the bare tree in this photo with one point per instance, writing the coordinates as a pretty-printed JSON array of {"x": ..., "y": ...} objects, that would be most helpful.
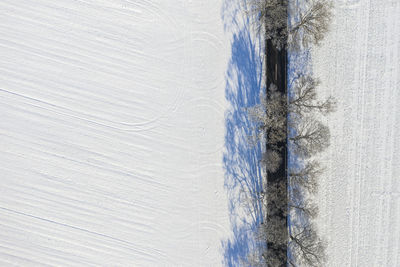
[
  {"x": 307, "y": 136},
  {"x": 276, "y": 204},
  {"x": 311, "y": 136},
  {"x": 256, "y": 258},
  {"x": 272, "y": 254},
  {"x": 271, "y": 16},
  {"x": 276, "y": 223},
  {"x": 273, "y": 231},
  {"x": 307, "y": 248},
  {"x": 271, "y": 160},
  {"x": 306, "y": 176},
  {"x": 305, "y": 208},
  {"x": 271, "y": 20},
  {"x": 304, "y": 99},
  {"x": 312, "y": 24},
  {"x": 270, "y": 115}
]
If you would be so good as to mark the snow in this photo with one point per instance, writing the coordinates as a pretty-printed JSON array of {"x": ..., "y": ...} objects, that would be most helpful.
[
  {"x": 359, "y": 197},
  {"x": 123, "y": 133},
  {"x": 113, "y": 133}
]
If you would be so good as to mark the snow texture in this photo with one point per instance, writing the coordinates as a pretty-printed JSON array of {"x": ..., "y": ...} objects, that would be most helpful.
[
  {"x": 359, "y": 199},
  {"x": 112, "y": 128}
]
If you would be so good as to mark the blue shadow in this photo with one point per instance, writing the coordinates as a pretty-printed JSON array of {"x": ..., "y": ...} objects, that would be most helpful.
[{"x": 241, "y": 160}]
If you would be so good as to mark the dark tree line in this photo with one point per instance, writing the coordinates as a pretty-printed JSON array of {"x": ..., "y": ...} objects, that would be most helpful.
[
  {"x": 308, "y": 28},
  {"x": 307, "y": 138},
  {"x": 292, "y": 118}
]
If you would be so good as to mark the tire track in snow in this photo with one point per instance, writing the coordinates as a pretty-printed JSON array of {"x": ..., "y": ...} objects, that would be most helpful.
[
  {"x": 143, "y": 126},
  {"x": 131, "y": 245},
  {"x": 92, "y": 95},
  {"x": 362, "y": 48}
]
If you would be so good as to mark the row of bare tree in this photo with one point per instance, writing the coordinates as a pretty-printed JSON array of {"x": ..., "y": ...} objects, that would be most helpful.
[
  {"x": 307, "y": 27},
  {"x": 292, "y": 119},
  {"x": 308, "y": 138}
]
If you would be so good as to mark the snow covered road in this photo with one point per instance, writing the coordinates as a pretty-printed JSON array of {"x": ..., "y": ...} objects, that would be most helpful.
[{"x": 359, "y": 64}]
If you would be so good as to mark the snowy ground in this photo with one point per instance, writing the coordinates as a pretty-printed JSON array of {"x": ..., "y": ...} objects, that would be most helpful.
[
  {"x": 359, "y": 63},
  {"x": 123, "y": 133},
  {"x": 112, "y": 128}
]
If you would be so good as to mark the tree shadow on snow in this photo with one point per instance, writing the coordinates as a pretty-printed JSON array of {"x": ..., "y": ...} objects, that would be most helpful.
[{"x": 243, "y": 174}]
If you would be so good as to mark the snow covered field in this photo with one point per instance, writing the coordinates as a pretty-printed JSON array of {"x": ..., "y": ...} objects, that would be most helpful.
[
  {"x": 359, "y": 63},
  {"x": 123, "y": 134},
  {"x": 113, "y": 133}
]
